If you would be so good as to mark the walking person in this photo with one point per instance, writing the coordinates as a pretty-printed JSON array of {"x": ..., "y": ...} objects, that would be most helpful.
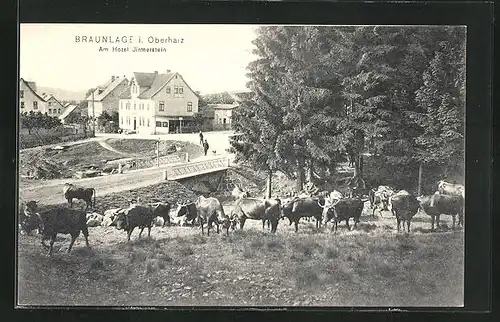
[
  {"x": 205, "y": 146},
  {"x": 201, "y": 138}
]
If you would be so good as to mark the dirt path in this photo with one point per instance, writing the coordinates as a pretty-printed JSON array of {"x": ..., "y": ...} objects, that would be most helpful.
[{"x": 105, "y": 145}]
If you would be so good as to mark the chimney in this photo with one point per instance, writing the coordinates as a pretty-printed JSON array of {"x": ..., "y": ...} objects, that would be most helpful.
[
  {"x": 112, "y": 78},
  {"x": 168, "y": 71}
]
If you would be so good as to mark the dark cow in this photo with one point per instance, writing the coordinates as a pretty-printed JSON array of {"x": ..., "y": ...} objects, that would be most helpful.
[
  {"x": 303, "y": 207},
  {"x": 71, "y": 191},
  {"x": 404, "y": 207},
  {"x": 343, "y": 209},
  {"x": 59, "y": 220},
  {"x": 210, "y": 211},
  {"x": 136, "y": 215},
  {"x": 189, "y": 210},
  {"x": 256, "y": 209},
  {"x": 443, "y": 205},
  {"x": 162, "y": 210}
]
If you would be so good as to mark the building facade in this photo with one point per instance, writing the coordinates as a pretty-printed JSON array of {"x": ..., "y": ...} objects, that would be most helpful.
[
  {"x": 106, "y": 97},
  {"x": 223, "y": 114},
  {"x": 29, "y": 99},
  {"x": 157, "y": 103},
  {"x": 53, "y": 106}
]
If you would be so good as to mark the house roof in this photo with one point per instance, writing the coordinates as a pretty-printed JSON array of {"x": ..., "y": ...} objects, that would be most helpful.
[
  {"x": 223, "y": 106},
  {"x": 102, "y": 91},
  {"x": 47, "y": 97},
  {"x": 69, "y": 109},
  {"x": 30, "y": 86},
  {"x": 158, "y": 82},
  {"x": 152, "y": 83}
]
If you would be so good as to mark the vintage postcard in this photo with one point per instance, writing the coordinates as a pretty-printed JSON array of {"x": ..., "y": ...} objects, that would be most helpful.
[{"x": 241, "y": 165}]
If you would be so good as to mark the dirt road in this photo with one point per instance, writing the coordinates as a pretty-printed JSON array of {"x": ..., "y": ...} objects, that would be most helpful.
[{"x": 50, "y": 192}]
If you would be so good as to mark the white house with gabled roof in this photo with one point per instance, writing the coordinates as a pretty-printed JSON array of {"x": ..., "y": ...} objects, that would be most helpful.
[{"x": 157, "y": 103}]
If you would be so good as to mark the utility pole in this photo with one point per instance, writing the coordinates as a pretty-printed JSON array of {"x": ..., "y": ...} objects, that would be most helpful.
[
  {"x": 93, "y": 114},
  {"x": 158, "y": 153}
]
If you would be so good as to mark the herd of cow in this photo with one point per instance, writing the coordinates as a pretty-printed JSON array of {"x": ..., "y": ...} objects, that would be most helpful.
[{"x": 333, "y": 206}]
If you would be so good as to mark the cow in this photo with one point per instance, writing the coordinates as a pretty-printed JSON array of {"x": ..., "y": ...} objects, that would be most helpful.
[
  {"x": 27, "y": 226},
  {"x": 343, "y": 209},
  {"x": 109, "y": 216},
  {"x": 404, "y": 207},
  {"x": 303, "y": 207},
  {"x": 451, "y": 205},
  {"x": 189, "y": 210},
  {"x": 238, "y": 193},
  {"x": 379, "y": 199},
  {"x": 454, "y": 189},
  {"x": 162, "y": 210},
  {"x": 136, "y": 215},
  {"x": 71, "y": 191},
  {"x": 210, "y": 211},
  {"x": 256, "y": 209},
  {"x": 58, "y": 220}
]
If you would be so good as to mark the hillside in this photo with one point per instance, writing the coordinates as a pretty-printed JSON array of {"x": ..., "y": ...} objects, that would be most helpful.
[{"x": 62, "y": 94}]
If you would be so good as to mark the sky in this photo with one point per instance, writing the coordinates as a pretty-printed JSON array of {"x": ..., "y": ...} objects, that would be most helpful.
[{"x": 211, "y": 58}]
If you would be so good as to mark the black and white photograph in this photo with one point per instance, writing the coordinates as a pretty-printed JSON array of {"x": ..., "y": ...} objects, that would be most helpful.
[{"x": 174, "y": 165}]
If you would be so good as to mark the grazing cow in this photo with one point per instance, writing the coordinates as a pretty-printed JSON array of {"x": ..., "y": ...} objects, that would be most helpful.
[
  {"x": 135, "y": 216},
  {"x": 256, "y": 209},
  {"x": 109, "y": 216},
  {"x": 162, "y": 210},
  {"x": 443, "y": 204},
  {"x": 94, "y": 219},
  {"x": 189, "y": 210},
  {"x": 71, "y": 191},
  {"x": 404, "y": 207},
  {"x": 343, "y": 209},
  {"x": 210, "y": 211},
  {"x": 59, "y": 220},
  {"x": 28, "y": 226},
  {"x": 303, "y": 207},
  {"x": 453, "y": 189}
]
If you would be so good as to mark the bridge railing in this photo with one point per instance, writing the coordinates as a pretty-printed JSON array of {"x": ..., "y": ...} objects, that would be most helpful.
[{"x": 191, "y": 169}]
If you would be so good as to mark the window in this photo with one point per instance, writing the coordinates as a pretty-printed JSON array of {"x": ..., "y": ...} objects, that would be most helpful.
[
  {"x": 121, "y": 120},
  {"x": 162, "y": 106},
  {"x": 22, "y": 104},
  {"x": 58, "y": 111},
  {"x": 21, "y": 94},
  {"x": 190, "y": 107},
  {"x": 134, "y": 106},
  {"x": 147, "y": 106},
  {"x": 176, "y": 90},
  {"x": 35, "y": 105},
  {"x": 50, "y": 111},
  {"x": 167, "y": 89},
  {"x": 128, "y": 106},
  {"x": 158, "y": 124},
  {"x": 165, "y": 124},
  {"x": 148, "y": 122},
  {"x": 224, "y": 121},
  {"x": 50, "y": 103},
  {"x": 181, "y": 90}
]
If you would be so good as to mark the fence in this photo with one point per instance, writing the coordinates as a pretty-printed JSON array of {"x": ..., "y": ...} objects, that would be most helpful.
[
  {"x": 167, "y": 159},
  {"x": 191, "y": 169}
]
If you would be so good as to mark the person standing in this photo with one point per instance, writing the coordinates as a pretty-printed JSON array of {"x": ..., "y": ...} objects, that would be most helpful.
[
  {"x": 205, "y": 146},
  {"x": 201, "y": 138}
]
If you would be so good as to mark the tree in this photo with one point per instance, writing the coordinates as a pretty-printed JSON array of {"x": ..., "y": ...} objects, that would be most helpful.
[{"x": 442, "y": 100}]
